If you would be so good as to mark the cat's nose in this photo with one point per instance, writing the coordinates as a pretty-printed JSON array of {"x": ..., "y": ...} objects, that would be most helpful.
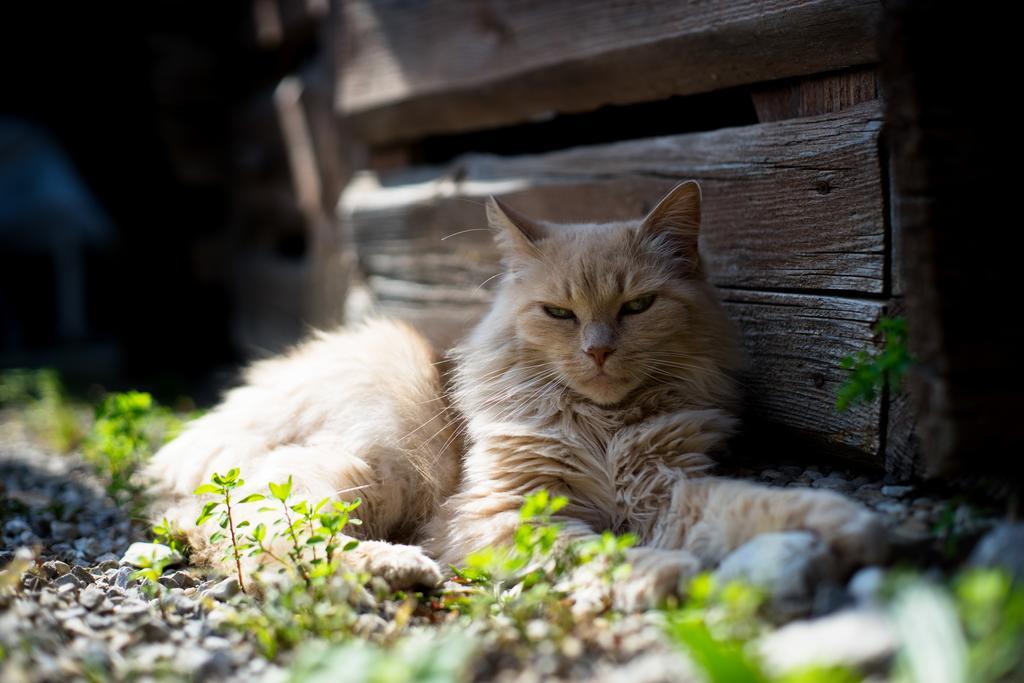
[{"x": 598, "y": 353}]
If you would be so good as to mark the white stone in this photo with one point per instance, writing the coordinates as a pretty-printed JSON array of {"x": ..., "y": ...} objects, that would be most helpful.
[
  {"x": 1002, "y": 547},
  {"x": 857, "y": 638},
  {"x": 866, "y": 585},
  {"x": 141, "y": 554},
  {"x": 223, "y": 591},
  {"x": 786, "y": 565}
]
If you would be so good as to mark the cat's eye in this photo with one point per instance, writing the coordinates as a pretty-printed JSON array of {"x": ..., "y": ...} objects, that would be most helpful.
[
  {"x": 560, "y": 313},
  {"x": 638, "y": 305}
]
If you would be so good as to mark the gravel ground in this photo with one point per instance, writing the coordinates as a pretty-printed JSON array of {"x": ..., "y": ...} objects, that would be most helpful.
[{"x": 80, "y": 616}]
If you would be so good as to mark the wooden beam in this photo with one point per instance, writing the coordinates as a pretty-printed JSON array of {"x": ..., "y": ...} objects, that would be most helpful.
[
  {"x": 952, "y": 203},
  {"x": 795, "y": 343},
  {"x": 793, "y": 205},
  {"x": 813, "y": 95},
  {"x": 407, "y": 70}
]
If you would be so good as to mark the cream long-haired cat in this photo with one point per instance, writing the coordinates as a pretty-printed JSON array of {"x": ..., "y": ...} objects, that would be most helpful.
[{"x": 604, "y": 371}]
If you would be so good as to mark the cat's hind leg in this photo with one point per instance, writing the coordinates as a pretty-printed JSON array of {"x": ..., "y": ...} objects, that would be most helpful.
[
  {"x": 353, "y": 413},
  {"x": 723, "y": 514}
]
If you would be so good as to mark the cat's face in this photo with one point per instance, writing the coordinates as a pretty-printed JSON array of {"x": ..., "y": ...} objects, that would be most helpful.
[{"x": 607, "y": 307}]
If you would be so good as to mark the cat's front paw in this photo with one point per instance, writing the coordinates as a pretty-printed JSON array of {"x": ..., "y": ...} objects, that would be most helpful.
[
  {"x": 654, "y": 575},
  {"x": 402, "y": 566},
  {"x": 855, "y": 535},
  {"x": 861, "y": 540}
]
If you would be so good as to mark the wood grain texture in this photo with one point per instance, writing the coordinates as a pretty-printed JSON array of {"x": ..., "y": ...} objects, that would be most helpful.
[
  {"x": 406, "y": 70},
  {"x": 813, "y": 95},
  {"x": 795, "y": 205},
  {"x": 899, "y": 418},
  {"x": 795, "y": 343}
]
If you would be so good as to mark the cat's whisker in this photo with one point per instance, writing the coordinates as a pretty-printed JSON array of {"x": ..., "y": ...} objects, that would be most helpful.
[
  {"x": 429, "y": 420},
  {"x": 463, "y": 232},
  {"x": 350, "y": 489},
  {"x": 493, "y": 400},
  {"x": 708, "y": 369},
  {"x": 444, "y": 427},
  {"x": 480, "y": 286}
]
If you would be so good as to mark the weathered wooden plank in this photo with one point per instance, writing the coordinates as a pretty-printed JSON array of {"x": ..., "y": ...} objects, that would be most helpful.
[
  {"x": 817, "y": 94},
  {"x": 899, "y": 420},
  {"x": 288, "y": 267},
  {"x": 950, "y": 198},
  {"x": 795, "y": 343},
  {"x": 406, "y": 70},
  {"x": 791, "y": 205}
]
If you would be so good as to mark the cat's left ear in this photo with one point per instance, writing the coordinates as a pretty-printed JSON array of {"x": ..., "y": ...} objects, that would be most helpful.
[
  {"x": 675, "y": 222},
  {"x": 516, "y": 234}
]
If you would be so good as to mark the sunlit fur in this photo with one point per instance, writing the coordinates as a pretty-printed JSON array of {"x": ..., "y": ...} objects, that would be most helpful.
[
  {"x": 357, "y": 413},
  {"x": 447, "y": 464},
  {"x": 630, "y": 443},
  {"x": 541, "y": 413}
]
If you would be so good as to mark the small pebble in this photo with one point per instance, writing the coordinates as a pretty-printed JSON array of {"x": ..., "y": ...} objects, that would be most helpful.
[
  {"x": 167, "y": 582},
  {"x": 122, "y": 577},
  {"x": 223, "y": 591},
  {"x": 831, "y": 483},
  {"x": 896, "y": 491},
  {"x": 67, "y": 580},
  {"x": 183, "y": 579},
  {"x": 891, "y": 508},
  {"x": 866, "y": 585},
  {"x": 83, "y": 575},
  {"x": 91, "y": 597},
  {"x": 56, "y": 568}
]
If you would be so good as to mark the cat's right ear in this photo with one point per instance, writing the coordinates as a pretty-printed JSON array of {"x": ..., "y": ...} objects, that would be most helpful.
[
  {"x": 515, "y": 234},
  {"x": 675, "y": 223}
]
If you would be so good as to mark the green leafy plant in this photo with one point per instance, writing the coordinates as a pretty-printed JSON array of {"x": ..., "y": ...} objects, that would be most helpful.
[
  {"x": 717, "y": 626},
  {"x": 221, "y": 485},
  {"x": 972, "y": 630},
  {"x": 129, "y": 427},
  {"x": 421, "y": 657},
  {"x": 306, "y": 541},
  {"x": 314, "y": 533},
  {"x": 991, "y": 609},
  {"x": 292, "y": 612},
  {"x": 149, "y": 573},
  {"x": 168, "y": 534},
  {"x": 869, "y": 372},
  {"x": 524, "y": 581}
]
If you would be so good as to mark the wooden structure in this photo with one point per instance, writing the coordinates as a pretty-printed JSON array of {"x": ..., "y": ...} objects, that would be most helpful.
[
  {"x": 951, "y": 198},
  {"x": 797, "y": 234}
]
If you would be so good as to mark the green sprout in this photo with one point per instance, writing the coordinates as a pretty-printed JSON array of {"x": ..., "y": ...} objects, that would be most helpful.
[{"x": 870, "y": 372}]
